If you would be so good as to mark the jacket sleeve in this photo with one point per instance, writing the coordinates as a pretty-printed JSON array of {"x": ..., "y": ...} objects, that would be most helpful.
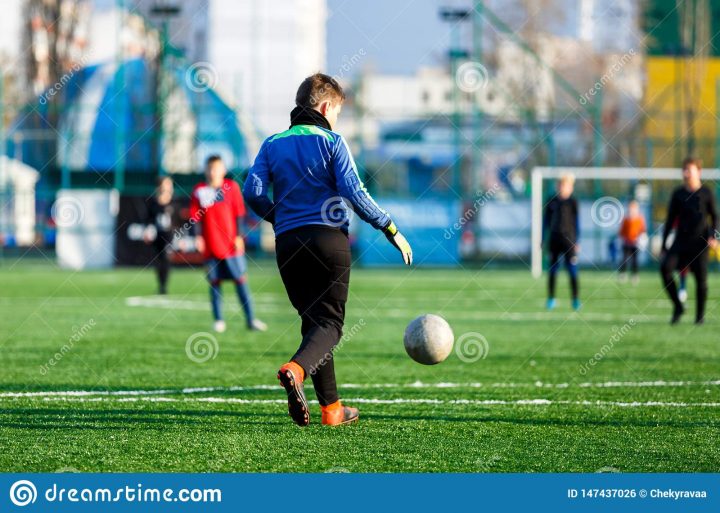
[
  {"x": 576, "y": 211},
  {"x": 196, "y": 213},
  {"x": 672, "y": 215},
  {"x": 351, "y": 188},
  {"x": 712, "y": 210},
  {"x": 547, "y": 214},
  {"x": 255, "y": 189}
]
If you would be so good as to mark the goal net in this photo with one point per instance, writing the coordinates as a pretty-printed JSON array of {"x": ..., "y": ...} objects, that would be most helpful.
[{"x": 603, "y": 194}]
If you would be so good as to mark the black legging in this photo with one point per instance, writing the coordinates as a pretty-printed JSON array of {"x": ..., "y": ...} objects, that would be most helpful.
[
  {"x": 630, "y": 255},
  {"x": 562, "y": 248},
  {"x": 162, "y": 263},
  {"x": 314, "y": 263},
  {"x": 695, "y": 257}
]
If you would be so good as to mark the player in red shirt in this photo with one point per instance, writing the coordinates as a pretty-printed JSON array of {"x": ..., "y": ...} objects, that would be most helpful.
[{"x": 217, "y": 206}]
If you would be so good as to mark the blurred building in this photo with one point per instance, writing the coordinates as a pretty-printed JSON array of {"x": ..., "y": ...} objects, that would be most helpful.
[{"x": 260, "y": 51}]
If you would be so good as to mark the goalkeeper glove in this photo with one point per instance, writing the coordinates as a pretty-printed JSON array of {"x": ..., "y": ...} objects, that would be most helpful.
[{"x": 396, "y": 239}]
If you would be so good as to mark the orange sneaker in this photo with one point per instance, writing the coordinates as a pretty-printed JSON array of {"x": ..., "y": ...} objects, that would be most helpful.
[
  {"x": 291, "y": 377},
  {"x": 337, "y": 414}
]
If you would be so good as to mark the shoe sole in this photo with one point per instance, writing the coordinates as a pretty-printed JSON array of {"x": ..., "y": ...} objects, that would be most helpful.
[
  {"x": 297, "y": 403},
  {"x": 346, "y": 422}
]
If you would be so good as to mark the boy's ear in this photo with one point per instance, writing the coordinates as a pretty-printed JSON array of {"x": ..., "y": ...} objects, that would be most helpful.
[{"x": 324, "y": 107}]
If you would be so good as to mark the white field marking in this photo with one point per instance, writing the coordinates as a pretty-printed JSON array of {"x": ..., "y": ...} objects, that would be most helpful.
[
  {"x": 538, "y": 315},
  {"x": 399, "y": 313},
  {"x": 416, "y": 384},
  {"x": 362, "y": 400},
  {"x": 181, "y": 304}
]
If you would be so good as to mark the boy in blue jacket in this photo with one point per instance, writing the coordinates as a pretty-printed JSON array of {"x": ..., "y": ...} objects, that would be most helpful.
[{"x": 314, "y": 180}]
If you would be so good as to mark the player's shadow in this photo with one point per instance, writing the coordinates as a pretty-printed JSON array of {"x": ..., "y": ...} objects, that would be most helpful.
[
  {"x": 542, "y": 421},
  {"x": 100, "y": 419}
]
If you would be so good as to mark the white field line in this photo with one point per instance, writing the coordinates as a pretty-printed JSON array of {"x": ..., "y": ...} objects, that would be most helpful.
[
  {"x": 362, "y": 400},
  {"x": 389, "y": 386},
  {"x": 406, "y": 313}
]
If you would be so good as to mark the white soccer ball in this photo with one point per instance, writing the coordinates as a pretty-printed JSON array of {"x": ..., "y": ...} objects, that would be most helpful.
[{"x": 428, "y": 339}]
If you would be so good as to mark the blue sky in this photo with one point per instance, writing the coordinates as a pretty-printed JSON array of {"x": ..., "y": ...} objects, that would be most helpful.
[{"x": 397, "y": 36}]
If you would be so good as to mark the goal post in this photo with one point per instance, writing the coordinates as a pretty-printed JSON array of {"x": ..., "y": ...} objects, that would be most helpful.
[{"x": 540, "y": 174}]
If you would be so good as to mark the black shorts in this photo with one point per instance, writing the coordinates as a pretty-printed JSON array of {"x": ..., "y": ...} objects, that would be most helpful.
[
  {"x": 689, "y": 252},
  {"x": 314, "y": 263},
  {"x": 561, "y": 246}
]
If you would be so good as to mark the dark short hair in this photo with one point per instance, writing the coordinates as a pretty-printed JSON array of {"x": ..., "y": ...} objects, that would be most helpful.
[
  {"x": 692, "y": 161},
  {"x": 212, "y": 159},
  {"x": 318, "y": 88}
]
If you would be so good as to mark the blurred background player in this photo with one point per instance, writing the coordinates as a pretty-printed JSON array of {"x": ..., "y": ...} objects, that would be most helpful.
[
  {"x": 613, "y": 250},
  {"x": 561, "y": 230},
  {"x": 217, "y": 206},
  {"x": 682, "y": 273},
  {"x": 692, "y": 206},
  {"x": 313, "y": 174},
  {"x": 631, "y": 230},
  {"x": 159, "y": 231},
  {"x": 682, "y": 288}
]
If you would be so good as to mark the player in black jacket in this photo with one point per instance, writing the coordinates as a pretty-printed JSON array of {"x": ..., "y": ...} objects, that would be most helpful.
[
  {"x": 561, "y": 231},
  {"x": 692, "y": 206},
  {"x": 159, "y": 232}
]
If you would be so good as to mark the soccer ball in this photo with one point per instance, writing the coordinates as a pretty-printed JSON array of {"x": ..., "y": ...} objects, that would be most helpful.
[{"x": 428, "y": 339}]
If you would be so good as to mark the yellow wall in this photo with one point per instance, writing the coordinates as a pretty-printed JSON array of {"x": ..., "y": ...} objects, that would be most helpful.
[{"x": 663, "y": 103}]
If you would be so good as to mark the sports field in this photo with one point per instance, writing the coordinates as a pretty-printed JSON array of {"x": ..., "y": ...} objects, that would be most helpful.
[{"x": 611, "y": 388}]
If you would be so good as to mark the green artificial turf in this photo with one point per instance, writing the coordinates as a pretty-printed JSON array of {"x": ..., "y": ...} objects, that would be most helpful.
[{"x": 118, "y": 336}]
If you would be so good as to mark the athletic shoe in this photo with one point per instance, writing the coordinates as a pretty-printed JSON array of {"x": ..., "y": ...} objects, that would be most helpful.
[
  {"x": 550, "y": 305},
  {"x": 576, "y": 304},
  {"x": 699, "y": 322},
  {"x": 622, "y": 278},
  {"x": 219, "y": 326},
  {"x": 290, "y": 379},
  {"x": 338, "y": 414},
  {"x": 635, "y": 280},
  {"x": 678, "y": 311},
  {"x": 257, "y": 325},
  {"x": 682, "y": 295}
]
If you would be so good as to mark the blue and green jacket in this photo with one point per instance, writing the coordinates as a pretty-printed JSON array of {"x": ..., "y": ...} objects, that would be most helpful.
[{"x": 314, "y": 182}]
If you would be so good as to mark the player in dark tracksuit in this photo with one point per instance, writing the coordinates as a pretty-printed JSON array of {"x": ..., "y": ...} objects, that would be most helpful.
[
  {"x": 692, "y": 207},
  {"x": 159, "y": 216},
  {"x": 314, "y": 179},
  {"x": 561, "y": 231}
]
